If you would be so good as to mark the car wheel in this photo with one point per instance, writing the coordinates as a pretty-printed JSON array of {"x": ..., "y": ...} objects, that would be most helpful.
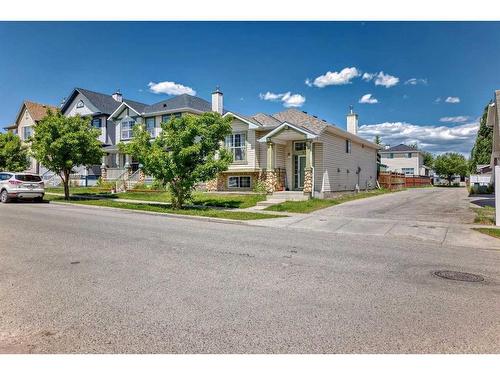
[
  {"x": 4, "y": 197},
  {"x": 38, "y": 199}
]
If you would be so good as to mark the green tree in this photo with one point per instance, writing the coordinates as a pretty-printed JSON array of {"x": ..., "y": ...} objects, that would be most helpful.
[
  {"x": 481, "y": 151},
  {"x": 187, "y": 151},
  {"x": 62, "y": 143},
  {"x": 428, "y": 159},
  {"x": 451, "y": 164},
  {"x": 13, "y": 154},
  {"x": 377, "y": 140}
]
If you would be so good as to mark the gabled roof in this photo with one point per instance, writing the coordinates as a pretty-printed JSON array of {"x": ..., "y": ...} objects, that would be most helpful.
[
  {"x": 400, "y": 148},
  {"x": 103, "y": 102},
  {"x": 37, "y": 111},
  {"x": 296, "y": 117},
  {"x": 179, "y": 102},
  {"x": 266, "y": 120},
  {"x": 10, "y": 127}
]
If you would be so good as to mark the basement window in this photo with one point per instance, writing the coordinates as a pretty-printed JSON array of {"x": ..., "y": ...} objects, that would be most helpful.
[{"x": 238, "y": 182}]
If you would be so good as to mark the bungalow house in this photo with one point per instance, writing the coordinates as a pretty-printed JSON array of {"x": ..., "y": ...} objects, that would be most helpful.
[
  {"x": 404, "y": 159},
  {"x": 27, "y": 117},
  {"x": 295, "y": 151}
]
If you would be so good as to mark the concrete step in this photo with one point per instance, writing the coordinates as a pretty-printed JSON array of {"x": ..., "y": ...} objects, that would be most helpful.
[{"x": 290, "y": 195}]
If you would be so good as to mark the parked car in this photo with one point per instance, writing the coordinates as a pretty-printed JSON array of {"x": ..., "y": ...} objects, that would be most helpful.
[{"x": 15, "y": 185}]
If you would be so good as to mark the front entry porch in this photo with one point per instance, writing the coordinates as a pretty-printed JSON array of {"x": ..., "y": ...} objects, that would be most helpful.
[
  {"x": 289, "y": 160},
  {"x": 116, "y": 165}
]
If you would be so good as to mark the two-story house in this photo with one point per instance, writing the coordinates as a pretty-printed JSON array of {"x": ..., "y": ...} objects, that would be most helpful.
[
  {"x": 27, "y": 117},
  {"x": 404, "y": 159}
]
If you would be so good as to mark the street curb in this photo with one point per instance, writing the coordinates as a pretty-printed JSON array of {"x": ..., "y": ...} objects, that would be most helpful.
[{"x": 178, "y": 216}]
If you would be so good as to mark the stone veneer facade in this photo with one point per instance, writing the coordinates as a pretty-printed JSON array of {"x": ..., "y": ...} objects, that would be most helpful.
[{"x": 220, "y": 183}]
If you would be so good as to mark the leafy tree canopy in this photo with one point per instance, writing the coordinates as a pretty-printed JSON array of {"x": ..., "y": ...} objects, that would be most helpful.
[
  {"x": 13, "y": 154},
  {"x": 451, "y": 164},
  {"x": 187, "y": 151},
  {"x": 481, "y": 151},
  {"x": 62, "y": 143}
]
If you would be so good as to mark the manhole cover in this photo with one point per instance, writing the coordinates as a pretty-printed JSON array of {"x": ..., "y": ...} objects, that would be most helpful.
[{"x": 459, "y": 276}]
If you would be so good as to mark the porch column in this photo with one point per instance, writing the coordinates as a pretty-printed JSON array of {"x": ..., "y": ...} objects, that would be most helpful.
[
  {"x": 308, "y": 172},
  {"x": 117, "y": 160},
  {"x": 104, "y": 171},
  {"x": 270, "y": 172}
]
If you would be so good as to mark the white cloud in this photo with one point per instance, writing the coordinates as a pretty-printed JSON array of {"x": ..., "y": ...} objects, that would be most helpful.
[
  {"x": 343, "y": 77},
  {"x": 368, "y": 76},
  {"x": 452, "y": 99},
  {"x": 381, "y": 79},
  {"x": 436, "y": 139},
  {"x": 438, "y": 100},
  {"x": 368, "y": 99},
  {"x": 454, "y": 119},
  {"x": 170, "y": 88},
  {"x": 288, "y": 99},
  {"x": 386, "y": 80},
  {"x": 416, "y": 81}
]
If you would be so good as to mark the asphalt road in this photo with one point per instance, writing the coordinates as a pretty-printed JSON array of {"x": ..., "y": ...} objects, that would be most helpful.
[{"x": 86, "y": 280}]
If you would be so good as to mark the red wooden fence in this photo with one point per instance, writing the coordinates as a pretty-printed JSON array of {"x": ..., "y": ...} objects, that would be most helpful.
[{"x": 396, "y": 181}]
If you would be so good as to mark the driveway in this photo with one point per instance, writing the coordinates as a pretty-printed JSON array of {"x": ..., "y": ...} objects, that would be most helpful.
[
  {"x": 441, "y": 215},
  {"x": 93, "y": 280}
]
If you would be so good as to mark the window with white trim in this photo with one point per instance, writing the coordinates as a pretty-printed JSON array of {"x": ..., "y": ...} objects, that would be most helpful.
[
  {"x": 27, "y": 132},
  {"x": 80, "y": 104},
  {"x": 150, "y": 126},
  {"x": 238, "y": 182},
  {"x": 236, "y": 144},
  {"x": 127, "y": 127},
  {"x": 408, "y": 170},
  {"x": 167, "y": 117}
]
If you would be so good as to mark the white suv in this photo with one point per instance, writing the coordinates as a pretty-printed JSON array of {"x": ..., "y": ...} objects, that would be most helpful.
[{"x": 20, "y": 185}]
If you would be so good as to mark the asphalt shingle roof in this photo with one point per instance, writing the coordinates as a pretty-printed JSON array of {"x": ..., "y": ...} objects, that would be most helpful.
[
  {"x": 106, "y": 104},
  {"x": 178, "y": 102},
  {"x": 302, "y": 119},
  {"x": 401, "y": 147},
  {"x": 38, "y": 111}
]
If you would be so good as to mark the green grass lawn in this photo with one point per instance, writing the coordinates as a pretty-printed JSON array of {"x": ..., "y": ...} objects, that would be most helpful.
[
  {"x": 484, "y": 215},
  {"x": 317, "y": 204},
  {"x": 201, "y": 211},
  {"x": 494, "y": 232},
  {"x": 199, "y": 198}
]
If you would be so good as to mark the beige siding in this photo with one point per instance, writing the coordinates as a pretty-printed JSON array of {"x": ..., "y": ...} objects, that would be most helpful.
[
  {"x": 401, "y": 160},
  {"x": 250, "y": 140},
  {"x": 338, "y": 172},
  {"x": 318, "y": 166}
]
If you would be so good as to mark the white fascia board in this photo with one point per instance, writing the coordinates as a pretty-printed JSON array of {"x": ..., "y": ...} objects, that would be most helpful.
[
  {"x": 120, "y": 108},
  {"x": 251, "y": 125},
  {"x": 278, "y": 129}
]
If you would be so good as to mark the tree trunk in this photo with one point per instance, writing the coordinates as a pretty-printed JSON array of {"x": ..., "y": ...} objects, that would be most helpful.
[{"x": 66, "y": 184}]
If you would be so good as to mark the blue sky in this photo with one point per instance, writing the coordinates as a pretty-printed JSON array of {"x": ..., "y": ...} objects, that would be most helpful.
[{"x": 263, "y": 67}]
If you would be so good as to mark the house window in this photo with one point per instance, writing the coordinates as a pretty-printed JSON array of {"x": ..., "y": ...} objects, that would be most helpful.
[
  {"x": 299, "y": 146},
  {"x": 235, "y": 143},
  {"x": 27, "y": 132},
  {"x": 79, "y": 104},
  {"x": 150, "y": 126},
  {"x": 96, "y": 123},
  {"x": 391, "y": 156},
  {"x": 348, "y": 146},
  {"x": 238, "y": 182},
  {"x": 409, "y": 155},
  {"x": 127, "y": 128},
  {"x": 167, "y": 117},
  {"x": 408, "y": 171}
]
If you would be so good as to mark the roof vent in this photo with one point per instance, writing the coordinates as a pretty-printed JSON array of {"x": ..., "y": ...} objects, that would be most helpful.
[
  {"x": 304, "y": 112},
  {"x": 117, "y": 95},
  {"x": 315, "y": 116},
  {"x": 164, "y": 105}
]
